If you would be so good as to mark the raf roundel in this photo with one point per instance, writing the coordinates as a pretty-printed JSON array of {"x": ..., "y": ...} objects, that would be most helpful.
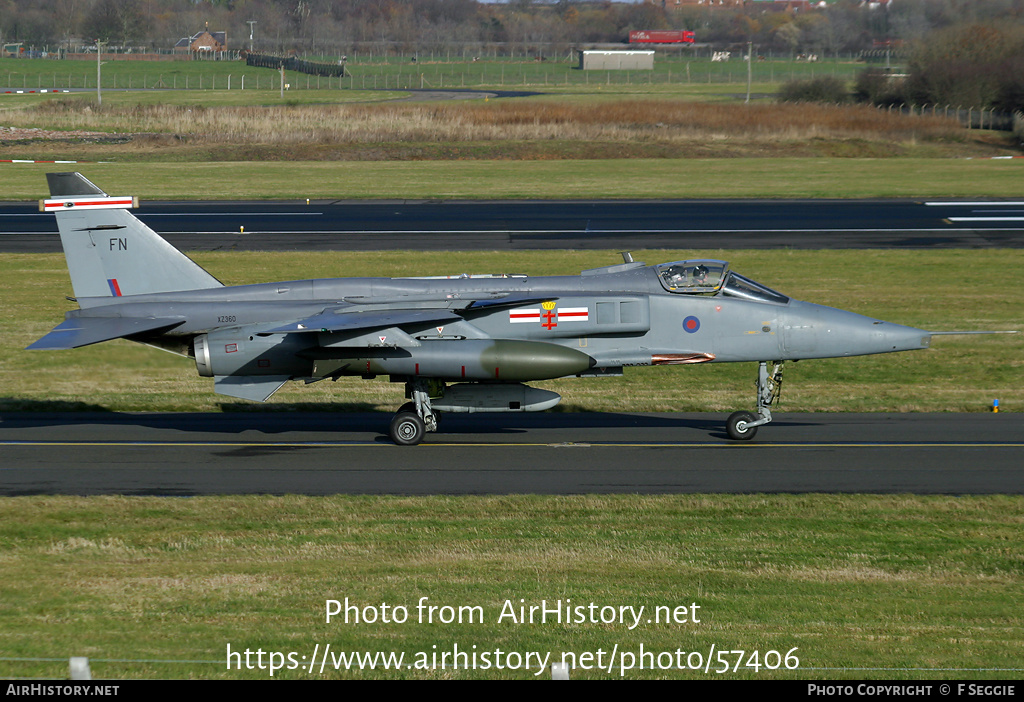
[{"x": 691, "y": 324}]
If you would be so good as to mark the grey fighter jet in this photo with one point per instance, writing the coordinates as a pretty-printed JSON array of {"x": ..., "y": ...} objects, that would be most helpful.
[{"x": 459, "y": 344}]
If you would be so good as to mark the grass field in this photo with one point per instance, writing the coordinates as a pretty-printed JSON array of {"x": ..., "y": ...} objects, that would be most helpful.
[
  {"x": 574, "y": 115},
  {"x": 853, "y": 587},
  {"x": 373, "y": 73},
  {"x": 567, "y": 179},
  {"x": 861, "y": 587}
]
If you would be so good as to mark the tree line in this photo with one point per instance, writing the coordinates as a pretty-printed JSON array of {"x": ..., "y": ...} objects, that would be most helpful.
[
  {"x": 339, "y": 27},
  {"x": 978, "y": 65}
]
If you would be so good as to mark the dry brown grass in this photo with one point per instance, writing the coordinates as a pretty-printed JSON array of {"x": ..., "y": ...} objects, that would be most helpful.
[{"x": 635, "y": 120}]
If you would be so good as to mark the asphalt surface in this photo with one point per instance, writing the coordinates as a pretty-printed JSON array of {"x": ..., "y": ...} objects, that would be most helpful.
[
  {"x": 554, "y": 453},
  {"x": 507, "y": 225}
]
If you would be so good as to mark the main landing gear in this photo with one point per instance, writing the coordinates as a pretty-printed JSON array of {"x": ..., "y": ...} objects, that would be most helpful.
[
  {"x": 414, "y": 419},
  {"x": 742, "y": 426}
]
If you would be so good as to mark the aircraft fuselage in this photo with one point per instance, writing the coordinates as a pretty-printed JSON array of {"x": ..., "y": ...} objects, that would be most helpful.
[{"x": 608, "y": 317}]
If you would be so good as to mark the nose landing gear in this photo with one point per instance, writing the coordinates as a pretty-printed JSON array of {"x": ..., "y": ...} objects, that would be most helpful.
[{"x": 742, "y": 425}]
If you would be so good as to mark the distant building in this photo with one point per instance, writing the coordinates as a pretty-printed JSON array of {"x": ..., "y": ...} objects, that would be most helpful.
[
  {"x": 788, "y": 5},
  {"x": 591, "y": 60},
  {"x": 671, "y": 4},
  {"x": 203, "y": 41},
  {"x": 792, "y": 5}
]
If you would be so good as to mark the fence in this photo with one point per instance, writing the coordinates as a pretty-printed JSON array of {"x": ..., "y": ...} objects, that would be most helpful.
[
  {"x": 970, "y": 117},
  {"x": 432, "y": 70},
  {"x": 172, "y": 80}
]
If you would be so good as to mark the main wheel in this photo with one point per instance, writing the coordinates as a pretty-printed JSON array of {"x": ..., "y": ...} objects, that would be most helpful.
[
  {"x": 737, "y": 426},
  {"x": 411, "y": 407},
  {"x": 407, "y": 429}
]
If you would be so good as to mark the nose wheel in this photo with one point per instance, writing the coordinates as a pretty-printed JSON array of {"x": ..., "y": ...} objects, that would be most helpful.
[
  {"x": 742, "y": 425},
  {"x": 738, "y": 426}
]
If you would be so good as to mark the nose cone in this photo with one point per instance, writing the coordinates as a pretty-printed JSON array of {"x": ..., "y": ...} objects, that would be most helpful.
[{"x": 814, "y": 331}]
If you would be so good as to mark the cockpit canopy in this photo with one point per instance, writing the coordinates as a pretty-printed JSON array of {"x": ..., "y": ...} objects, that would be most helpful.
[{"x": 710, "y": 277}]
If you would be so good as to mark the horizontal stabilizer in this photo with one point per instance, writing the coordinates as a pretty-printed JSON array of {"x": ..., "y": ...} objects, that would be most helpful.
[
  {"x": 332, "y": 320},
  {"x": 74, "y": 332}
]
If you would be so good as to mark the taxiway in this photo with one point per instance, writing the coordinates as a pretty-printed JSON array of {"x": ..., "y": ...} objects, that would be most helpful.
[{"x": 560, "y": 453}]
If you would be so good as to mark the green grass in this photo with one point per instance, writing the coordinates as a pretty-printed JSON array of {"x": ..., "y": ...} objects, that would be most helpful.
[
  {"x": 673, "y": 73},
  {"x": 219, "y": 97},
  {"x": 568, "y": 179},
  {"x": 907, "y": 287},
  {"x": 229, "y": 128},
  {"x": 873, "y": 587}
]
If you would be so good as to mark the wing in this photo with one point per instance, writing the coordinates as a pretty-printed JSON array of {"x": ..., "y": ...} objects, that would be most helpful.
[
  {"x": 390, "y": 313},
  {"x": 341, "y": 320}
]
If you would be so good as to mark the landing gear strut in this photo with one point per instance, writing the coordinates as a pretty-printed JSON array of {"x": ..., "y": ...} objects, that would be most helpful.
[
  {"x": 414, "y": 419},
  {"x": 742, "y": 426}
]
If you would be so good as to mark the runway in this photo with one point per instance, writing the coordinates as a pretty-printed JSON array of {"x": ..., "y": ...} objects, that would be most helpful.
[
  {"x": 560, "y": 453},
  {"x": 512, "y": 225}
]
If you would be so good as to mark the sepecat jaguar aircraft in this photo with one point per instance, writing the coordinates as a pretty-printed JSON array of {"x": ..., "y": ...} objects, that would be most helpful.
[{"x": 467, "y": 343}]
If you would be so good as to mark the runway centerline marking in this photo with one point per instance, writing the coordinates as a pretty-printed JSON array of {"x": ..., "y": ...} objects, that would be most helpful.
[
  {"x": 975, "y": 203},
  {"x": 427, "y": 445}
]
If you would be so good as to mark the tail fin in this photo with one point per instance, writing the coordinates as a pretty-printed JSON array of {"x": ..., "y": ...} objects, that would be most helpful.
[{"x": 109, "y": 252}]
